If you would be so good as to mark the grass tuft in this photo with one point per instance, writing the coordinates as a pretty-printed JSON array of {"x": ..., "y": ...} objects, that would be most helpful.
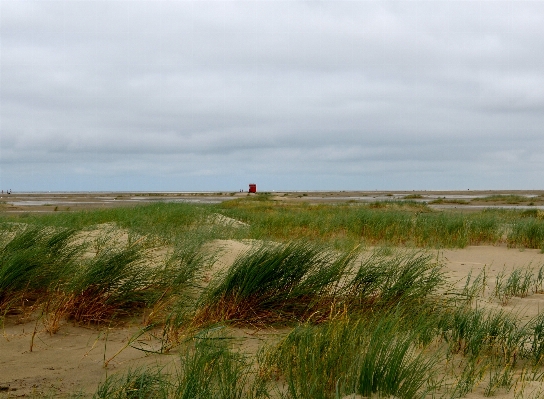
[
  {"x": 276, "y": 283},
  {"x": 345, "y": 356},
  {"x": 406, "y": 278}
]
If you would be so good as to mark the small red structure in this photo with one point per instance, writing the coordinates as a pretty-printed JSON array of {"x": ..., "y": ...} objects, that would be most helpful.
[{"x": 252, "y": 188}]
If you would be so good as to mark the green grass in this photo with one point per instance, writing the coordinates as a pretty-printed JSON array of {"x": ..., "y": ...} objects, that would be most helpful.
[
  {"x": 413, "y": 196},
  {"x": 208, "y": 368},
  {"x": 345, "y": 356},
  {"x": 507, "y": 199},
  {"x": 138, "y": 383},
  {"x": 383, "y": 281},
  {"x": 474, "y": 331},
  {"x": 299, "y": 282},
  {"x": 51, "y": 268},
  {"x": 520, "y": 282},
  {"x": 452, "y": 201},
  {"x": 276, "y": 283},
  {"x": 167, "y": 221},
  {"x": 111, "y": 282},
  {"x": 344, "y": 225},
  {"x": 391, "y": 222},
  {"x": 33, "y": 262},
  {"x": 527, "y": 233}
]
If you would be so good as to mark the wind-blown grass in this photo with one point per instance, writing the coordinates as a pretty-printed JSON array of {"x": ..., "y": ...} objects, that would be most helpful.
[
  {"x": 114, "y": 280},
  {"x": 405, "y": 278},
  {"x": 520, "y": 282},
  {"x": 394, "y": 223},
  {"x": 52, "y": 268},
  {"x": 353, "y": 356},
  {"x": 472, "y": 332},
  {"x": 208, "y": 369},
  {"x": 135, "y": 383},
  {"x": 298, "y": 282},
  {"x": 276, "y": 282},
  {"x": 32, "y": 261},
  {"x": 345, "y": 225},
  {"x": 527, "y": 232}
]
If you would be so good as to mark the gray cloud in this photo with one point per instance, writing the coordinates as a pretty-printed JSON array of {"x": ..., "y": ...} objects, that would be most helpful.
[{"x": 320, "y": 95}]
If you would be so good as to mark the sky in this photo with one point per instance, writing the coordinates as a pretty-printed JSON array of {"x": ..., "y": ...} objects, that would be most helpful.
[{"x": 290, "y": 95}]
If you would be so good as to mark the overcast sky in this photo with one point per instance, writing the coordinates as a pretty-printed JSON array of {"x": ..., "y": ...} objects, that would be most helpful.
[{"x": 291, "y": 95}]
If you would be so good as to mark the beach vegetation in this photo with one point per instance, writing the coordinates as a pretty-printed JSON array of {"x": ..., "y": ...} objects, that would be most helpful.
[{"x": 361, "y": 301}]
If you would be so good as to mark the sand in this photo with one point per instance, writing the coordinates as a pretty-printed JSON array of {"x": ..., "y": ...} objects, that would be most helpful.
[{"x": 70, "y": 361}]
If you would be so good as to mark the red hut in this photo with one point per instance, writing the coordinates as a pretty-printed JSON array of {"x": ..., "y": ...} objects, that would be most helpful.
[{"x": 252, "y": 188}]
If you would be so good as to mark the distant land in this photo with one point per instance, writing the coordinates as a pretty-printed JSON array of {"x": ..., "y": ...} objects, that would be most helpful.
[{"x": 444, "y": 199}]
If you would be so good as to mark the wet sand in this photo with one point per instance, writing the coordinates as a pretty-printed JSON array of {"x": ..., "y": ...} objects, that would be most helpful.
[{"x": 55, "y": 202}]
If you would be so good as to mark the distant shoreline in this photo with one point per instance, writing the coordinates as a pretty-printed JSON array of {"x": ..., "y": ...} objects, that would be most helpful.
[
  {"x": 469, "y": 200},
  {"x": 446, "y": 192}
]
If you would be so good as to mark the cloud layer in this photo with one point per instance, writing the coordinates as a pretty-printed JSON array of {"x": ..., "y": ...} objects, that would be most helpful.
[{"x": 180, "y": 95}]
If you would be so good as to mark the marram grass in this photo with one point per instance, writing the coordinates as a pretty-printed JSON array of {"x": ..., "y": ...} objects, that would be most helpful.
[
  {"x": 207, "y": 368},
  {"x": 360, "y": 356},
  {"x": 276, "y": 282},
  {"x": 33, "y": 261},
  {"x": 405, "y": 277},
  {"x": 49, "y": 267}
]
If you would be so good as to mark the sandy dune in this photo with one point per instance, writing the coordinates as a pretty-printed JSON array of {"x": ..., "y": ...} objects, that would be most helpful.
[{"x": 73, "y": 359}]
